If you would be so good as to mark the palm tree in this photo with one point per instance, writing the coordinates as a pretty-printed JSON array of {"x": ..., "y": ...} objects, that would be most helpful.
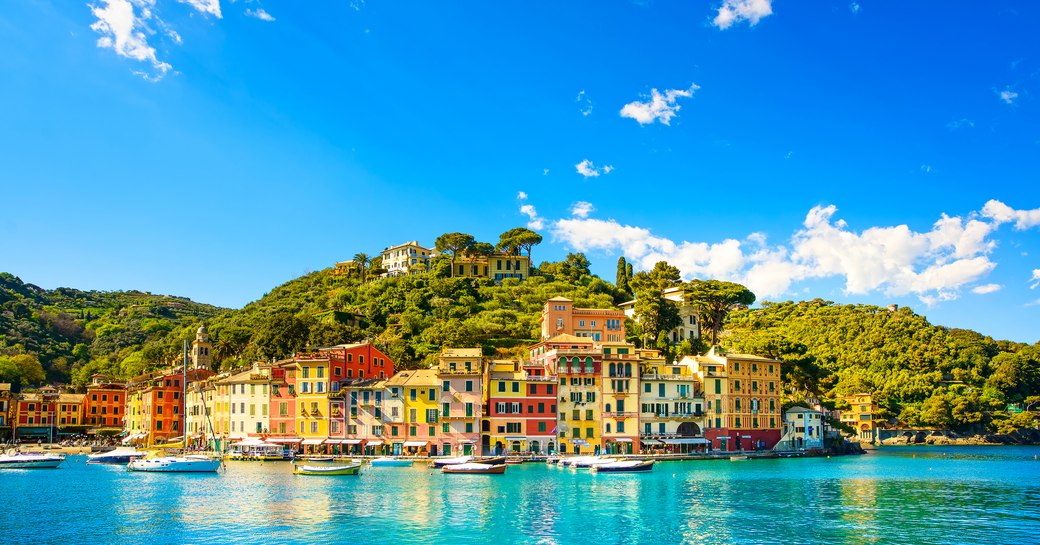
[{"x": 362, "y": 260}]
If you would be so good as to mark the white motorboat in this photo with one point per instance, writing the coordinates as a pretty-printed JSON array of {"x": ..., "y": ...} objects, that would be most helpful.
[
  {"x": 30, "y": 460},
  {"x": 121, "y": 456},
  {"x": 441, "y": 462},
  {"x": 191, "y": 463},
  {"x": 390, "y": 462}
]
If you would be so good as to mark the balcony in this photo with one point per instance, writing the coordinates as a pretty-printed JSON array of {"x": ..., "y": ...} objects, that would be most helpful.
[
  {"x": 535, "y": 378},
  {"x": 619, "y": 416},
  {"x": 337, "y": 414},
  {"x": 458, "y": 372},
  {"x": 658, "y": 376}
]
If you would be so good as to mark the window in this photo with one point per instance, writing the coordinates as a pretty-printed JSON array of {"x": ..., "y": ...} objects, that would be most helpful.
[
  {"x": 516, "y": 387},
  {"x": 469, "y": 427},
  {"x": 446, "y": 386},
  {"x": 469, "y": 409},
  {"x": 314, "y": 426},
  {"x": 469, "y": 385},
  {"x": 411, "y": 394},
  {"x": 433, "y": 394},
  {"x": 501, "y": 386},
  {"x": 621, "y": 426}
]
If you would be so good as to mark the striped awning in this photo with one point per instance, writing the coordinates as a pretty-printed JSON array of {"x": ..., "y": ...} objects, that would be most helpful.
[
  {"x": 408, "y": 444},
  {"x": 374, "y": 443}
]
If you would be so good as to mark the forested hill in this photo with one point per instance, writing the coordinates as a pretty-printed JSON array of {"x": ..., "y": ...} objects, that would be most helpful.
[
  {"x": 49, "y": 335},
  {"x": 925, "y": 375}
]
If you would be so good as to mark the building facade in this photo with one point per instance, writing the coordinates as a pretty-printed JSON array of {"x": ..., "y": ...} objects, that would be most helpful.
[
  {"x": 407, "y": 258},
  {"x": 559, "y": 317},
  {"x": 103, "y": 405},
  {"x": 460, "y": 372},
  {"x": 861, "y": 415}
]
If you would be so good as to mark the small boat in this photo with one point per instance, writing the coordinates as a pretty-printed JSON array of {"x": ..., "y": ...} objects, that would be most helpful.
[
  {"x": 190, "y": 463},
  {"x": 490, "y": 460},
  {"x": 30, "y": 460},
  {"x": 624, "y": 466},
  {"x": 476, "y": 468},
  {"x": 514, "y": 460},
  {"x": 351, "y": 469},
  {"x": 552, "y": 460},
  {"x": 441, "y": 462},
  {"x": 593, "y": 461},
  {"x": 121, "y": 456},
  {"x": 318, "y": 458},
  {"x": 738, "y": 458},
  {"x": 390, "y": 462}
]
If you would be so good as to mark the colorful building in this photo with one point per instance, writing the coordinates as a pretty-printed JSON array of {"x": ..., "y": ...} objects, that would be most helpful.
[
  {"x": 460, "y": 372},
  {"x": 47, "y": 414},
  {"x": 248, "y": 399},
  {"x": 619, "y": 380},
  {"x": 505, "y": 426},
  {"x": 861, "y": 415},
  {"x": 360, "y": 428},
  {"x": 578, "y": 365},
  {"x": 357, "y": 361},
  {"x": 413, "y": 417},
  {"x": 103, "y": 405},
  {"x": 312, "y": 388},
  {"x": 6, "y": 408},
  {"x": 559, "y": 317},
  {"x": 407, "y": 258},
  {"x": 742, "y": 397},
  {"x": 155, "y": 405},
  {"x": 671, "y": 402}
]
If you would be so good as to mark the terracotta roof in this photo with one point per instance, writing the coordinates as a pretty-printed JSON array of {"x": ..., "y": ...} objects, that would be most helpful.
[{"x": 568, "y": 338}]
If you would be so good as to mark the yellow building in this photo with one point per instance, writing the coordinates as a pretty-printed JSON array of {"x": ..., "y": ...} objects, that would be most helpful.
[
  {"x": 742, "y": 397},
  {"x": 407, "y": 258},
  {"x": 413, "y": 403},
  {"x": 619, "y": 380},
  {"x": 200, "y": 405},
  {"x": 506, "y": 397},
  {"x": 861, "y": 416},
  {"x": 498, "y": 266},
  {"x": 671, "y": 402}
]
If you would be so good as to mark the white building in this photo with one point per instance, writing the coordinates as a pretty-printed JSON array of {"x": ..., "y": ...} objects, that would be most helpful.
[
  {"x": 689, "y": 329},
  {"x": 406, "y": 258},
  {"x": 802, "y": 429}
]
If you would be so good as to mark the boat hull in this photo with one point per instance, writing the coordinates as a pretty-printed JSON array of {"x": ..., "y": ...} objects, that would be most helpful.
[
  {"x": 32, "y": 464},
  {"x": 390, "y": 462},
  {"x": 329, "y": 470},
  {"x": 175, "y": 464},
  {"x": 621, "y": 467},
  {"x": 496, "y": 469}
]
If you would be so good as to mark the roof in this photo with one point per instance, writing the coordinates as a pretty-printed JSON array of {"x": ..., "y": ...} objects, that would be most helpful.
[
  {"x": 561, "y": 299},
  {"x": 461, "y": 353},
  {"x": 414, "y": 377},
  {"x": 801, "y": 409}
]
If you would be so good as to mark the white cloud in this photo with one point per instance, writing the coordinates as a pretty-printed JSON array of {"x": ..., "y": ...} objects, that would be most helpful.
[
  {"x": 260, "y": 13},
  {"x": 1008, "y": 96},
  {"x": 934, "y": 265},
  {"x": 356, "y": 5},
  {"x": 125, "y": 32},
  {"x": 585, "y": 103},
  {"x": 212, "y": 7},
  {"x": 854, "y": 8},
  {"x": 1002, "y": 213},
  {"x": 960, "y": 124},
  {"x": 986, "y": 288},
  {"x": 587, "y": 169},
  {"x": 660, "y": 107},
  {"x": 1035, "y": 280},
  {"x": 582, "y": 209},
  {"x": 926, "y": 168},
  {"x": 534, "y": 221},
  {"x": 545, "y": 172},
  {"x": 735, "y": 11}
]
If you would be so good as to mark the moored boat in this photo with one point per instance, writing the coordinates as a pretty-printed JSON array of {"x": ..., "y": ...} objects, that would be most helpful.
[
  {"x": 593, "y": 461},
  {"x": 30, "y": 460},
  {"x": 190, "y": 463},
  {"x": 121, "y": 456},
  {"x": 441, "y": 462},
  {"x": 738, "y": 458},
  {"x": 350, "y": 469},
  {"x": 390, "y": 462},
  {"x": 490, "y": 460},
  {"x": 514, "y": 460},
  {"x": 624, "y": 466},
  {"x": 475, "y": 468}
]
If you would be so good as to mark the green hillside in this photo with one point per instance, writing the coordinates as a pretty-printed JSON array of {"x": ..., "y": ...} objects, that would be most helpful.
[
  {"x": 925, "y": 375},
  {"x": 54, "y": 335}
]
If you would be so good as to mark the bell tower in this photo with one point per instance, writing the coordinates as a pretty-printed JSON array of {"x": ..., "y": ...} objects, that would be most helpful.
[{"x": 201, "y": 349}]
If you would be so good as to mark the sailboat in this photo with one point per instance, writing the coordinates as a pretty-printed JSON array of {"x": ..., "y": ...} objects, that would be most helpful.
[{"x": 183, "y": 463}]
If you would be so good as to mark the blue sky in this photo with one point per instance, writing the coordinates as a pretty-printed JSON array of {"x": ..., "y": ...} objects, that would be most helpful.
[{"x": 863, "y": 152}]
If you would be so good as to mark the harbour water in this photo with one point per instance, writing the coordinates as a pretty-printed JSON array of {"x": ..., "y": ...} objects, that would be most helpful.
[{"x": 893, "y": 495}]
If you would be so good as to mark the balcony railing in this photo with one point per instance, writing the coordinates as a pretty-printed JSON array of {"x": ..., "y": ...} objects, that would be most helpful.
[
  {"x": 443, "y": 371},
  {"x": 619, "y": 416},
  {"x": 539, "y": 378},
  {"x": 658, "y": 376}
]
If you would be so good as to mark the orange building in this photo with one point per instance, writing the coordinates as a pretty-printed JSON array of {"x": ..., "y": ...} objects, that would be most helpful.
[
  {"x": 104, "y": 404},
  {"x": 559, "y": 317},
  {"x": 157, "y": 406}
]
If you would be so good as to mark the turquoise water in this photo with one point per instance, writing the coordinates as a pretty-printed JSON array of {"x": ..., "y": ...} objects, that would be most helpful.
[{"x": 894, "y": 495}]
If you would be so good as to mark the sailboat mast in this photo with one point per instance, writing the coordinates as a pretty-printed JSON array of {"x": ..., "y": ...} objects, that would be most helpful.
[{"x": 184, "y": 401}]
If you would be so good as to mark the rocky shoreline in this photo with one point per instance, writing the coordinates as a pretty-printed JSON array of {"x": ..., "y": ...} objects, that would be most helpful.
[{"x": 946, "y": 437}]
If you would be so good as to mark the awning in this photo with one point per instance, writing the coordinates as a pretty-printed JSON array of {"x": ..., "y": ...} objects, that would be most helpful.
[
  {"x": 623, "y": 440},
  {"x": 650, "y": 442},
  {"x": 374, "y": 443},
  {"x": 281, "y": 440},
  {"x": 351, "y": 441},
  {"x": 408, "y": 444},
  {"x": 313, "y": 441},
  {"x": 686, "y": 441},
  {"x": 465, "y": 441},
  {"x": 515, "y": 438}
]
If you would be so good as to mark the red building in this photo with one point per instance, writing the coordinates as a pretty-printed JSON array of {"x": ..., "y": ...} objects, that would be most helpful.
[
  {"x": 283, "y": 403},
  {"x": 104, "y": 404},
  {"x": 357, "y": 361},
  {"x": 158, "y": 401}
]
